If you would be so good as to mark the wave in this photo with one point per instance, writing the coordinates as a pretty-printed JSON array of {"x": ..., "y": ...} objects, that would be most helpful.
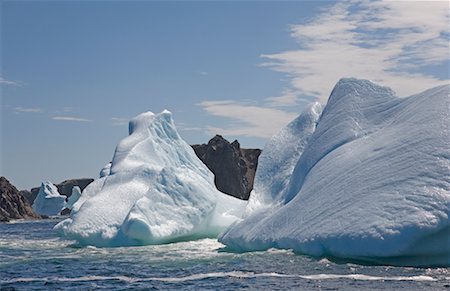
[{"x": 233, "y": 274}]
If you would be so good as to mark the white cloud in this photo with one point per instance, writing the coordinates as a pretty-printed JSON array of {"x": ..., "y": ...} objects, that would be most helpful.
[
  {"x": 191, "y": 128},
  {"x": 247, "y": 120},
  {"x": 4, "y": 81},
  {"x": 385, "y": 41},
  {"x": 119, "y": 121},
  {"x": 28, "y": 109},
  {"x": 71, "y": 118},
  {"x": 388, "y": 42},
  {"x": 287, "y": 98}
]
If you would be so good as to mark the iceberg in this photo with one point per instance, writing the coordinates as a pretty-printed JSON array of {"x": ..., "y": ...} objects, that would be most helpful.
[
  {"x": 372, "y": 183},
  {"x": 76, "y": 194},
  {"x": 155, "y": 191},
  {"x": 48, "y": 201}
]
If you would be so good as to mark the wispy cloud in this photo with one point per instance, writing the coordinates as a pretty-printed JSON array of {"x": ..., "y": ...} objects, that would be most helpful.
[
  {"x": 71, "y": 118},
  {"x": 192, "y": 128},
  {"x": 386, "y": 41},
  {"x": 119, "y": 121},
  {"x": 4, "y": 81},
  {"x": 287, "y": 98},
  {"x": 185, "y": 127},
  {"x": 389, "y": 42},
  {"x": 247, "y": 120},
  {"x": 28, "y": 109}
]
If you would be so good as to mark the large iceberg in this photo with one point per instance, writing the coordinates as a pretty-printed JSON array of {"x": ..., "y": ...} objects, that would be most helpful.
[
  {"x": 372, "y": 183},
  {"x": 156, "y": 191},
  {"x": 48, "y": 201}
]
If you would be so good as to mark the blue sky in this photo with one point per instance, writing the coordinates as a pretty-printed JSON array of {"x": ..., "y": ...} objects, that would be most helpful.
[{"x": 73, "y": 73}]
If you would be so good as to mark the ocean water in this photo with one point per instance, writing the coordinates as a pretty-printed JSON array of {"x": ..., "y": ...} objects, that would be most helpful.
[{"x": 32, "y": 257}]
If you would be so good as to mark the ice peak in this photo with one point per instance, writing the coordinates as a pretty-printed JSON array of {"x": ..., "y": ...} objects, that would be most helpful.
[
  {"x": 160, "y": 124},
  {"x": 140, "y": 122},
  {"x": 349, "y": 88},
  {"x": 49, "y": 189},
  {"x": 166, "y": 113}
]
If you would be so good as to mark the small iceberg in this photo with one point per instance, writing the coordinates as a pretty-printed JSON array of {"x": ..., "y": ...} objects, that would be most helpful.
[{"x": 48, "y": 201}]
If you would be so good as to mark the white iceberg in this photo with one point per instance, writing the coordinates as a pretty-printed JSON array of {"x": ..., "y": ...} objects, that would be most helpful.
[
  {"x": 76, "y": 194},
  {"x": 48, "y": 201},
  {"x": 372, "y": 183},
  {"x": 157, "y": 191}
]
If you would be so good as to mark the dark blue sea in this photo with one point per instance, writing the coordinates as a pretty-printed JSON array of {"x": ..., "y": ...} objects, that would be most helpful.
[{"x": 33, "y": 257}]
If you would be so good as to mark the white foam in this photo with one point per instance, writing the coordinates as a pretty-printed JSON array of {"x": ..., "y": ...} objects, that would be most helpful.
[{"x": 232, "y": 274}]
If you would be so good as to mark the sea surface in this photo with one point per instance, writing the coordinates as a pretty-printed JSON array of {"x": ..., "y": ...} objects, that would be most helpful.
[{"x": 33, "y": 257}]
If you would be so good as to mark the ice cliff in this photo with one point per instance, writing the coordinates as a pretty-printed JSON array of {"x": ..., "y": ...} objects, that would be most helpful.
[
  {"x": 48, "y": 201},
  {"x": 155, "y": 191},
  {"x": 366, "y": 179}
]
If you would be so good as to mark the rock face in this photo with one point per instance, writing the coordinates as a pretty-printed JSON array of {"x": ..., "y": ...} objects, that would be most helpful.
[
  {"x": 64, "y": 188},
  {"x": 234, "y": 168},
  {"x": 12, "y": 203}
]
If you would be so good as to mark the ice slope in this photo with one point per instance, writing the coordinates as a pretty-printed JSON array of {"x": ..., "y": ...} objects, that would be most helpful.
[
  {"x": 48, "y": 201},
  {"x": 76, "y": 194},
  {"x": 157, "y": 191},
  {"x": 372, "y": 184},
  {"x": 105, "y": 171},
  {"x": 279, "y": 157}
]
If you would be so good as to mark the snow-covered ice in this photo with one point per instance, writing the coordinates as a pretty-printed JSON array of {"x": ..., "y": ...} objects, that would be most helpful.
[
  {"x": 372, "y": 182},
  {"x": 48, "y": 201},
  {"x": 156, "y": 191}
]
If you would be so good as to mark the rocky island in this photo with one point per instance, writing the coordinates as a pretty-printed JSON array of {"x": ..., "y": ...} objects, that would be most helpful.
[{"x": 12, "y": 203}]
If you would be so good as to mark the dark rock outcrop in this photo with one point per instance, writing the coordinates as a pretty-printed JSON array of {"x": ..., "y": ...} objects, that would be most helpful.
[
  {"x": 32, "y": 195},
  {"x": 28, "y": 195},
  {"x": 13, "y": 205},
  {"x": 234, "y": 168},
  {"x": 64, "y": 188}
]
